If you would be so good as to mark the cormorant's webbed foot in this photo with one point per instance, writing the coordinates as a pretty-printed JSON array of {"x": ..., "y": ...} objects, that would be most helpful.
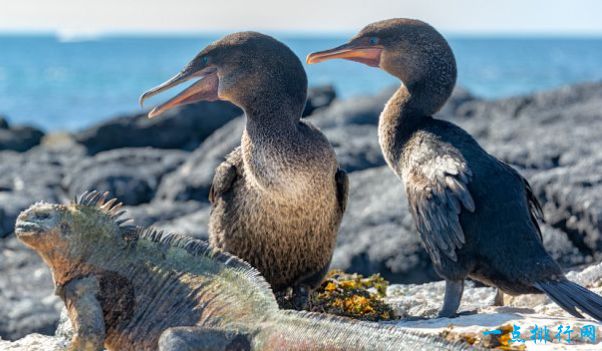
[{"x": 453, "y": 296}]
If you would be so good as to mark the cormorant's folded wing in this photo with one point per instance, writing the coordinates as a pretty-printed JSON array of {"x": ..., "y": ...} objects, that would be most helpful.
[
  {"x": 225, "y": 176},
  {"x": 342, "y": 182},
  {"x": 535, "y": 211},
  {"x": 437, "y": 192}
]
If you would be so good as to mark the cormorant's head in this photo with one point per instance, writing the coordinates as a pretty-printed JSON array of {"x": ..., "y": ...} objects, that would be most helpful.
[
  {"x": 245, "y": 68},
  {"x": 408, "y": 49}
]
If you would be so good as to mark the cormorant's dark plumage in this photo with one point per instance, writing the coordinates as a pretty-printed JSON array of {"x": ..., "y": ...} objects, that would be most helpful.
[
  {"x": 476, "y": 216},
  {"x": 278, "y": 199}
]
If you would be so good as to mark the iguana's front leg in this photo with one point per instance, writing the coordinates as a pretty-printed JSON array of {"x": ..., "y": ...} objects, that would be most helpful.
[{"x": 85, "y": 313}]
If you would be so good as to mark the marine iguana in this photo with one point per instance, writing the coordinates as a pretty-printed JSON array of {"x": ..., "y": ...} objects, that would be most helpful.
[{"x": 128, "y": 288}]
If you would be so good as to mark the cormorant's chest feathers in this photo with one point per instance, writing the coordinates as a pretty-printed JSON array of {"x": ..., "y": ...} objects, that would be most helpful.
[{"x": 292, "y": 164}]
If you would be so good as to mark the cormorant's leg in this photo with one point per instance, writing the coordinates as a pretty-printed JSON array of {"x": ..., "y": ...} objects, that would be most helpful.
[
  {"x": 499, "y": 298},
  {"x": 453, "y": 296},
  {"x": 202, "y": 339},
  {"x": 297, "y": 296},
  {"x": 293, "y": 298},
  {"x": 85, "y": 313}
]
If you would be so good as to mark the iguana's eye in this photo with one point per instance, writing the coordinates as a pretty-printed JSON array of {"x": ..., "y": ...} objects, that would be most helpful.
[
  {"x": 374, "y": 40},
  {"x": 42, "y": 215}
]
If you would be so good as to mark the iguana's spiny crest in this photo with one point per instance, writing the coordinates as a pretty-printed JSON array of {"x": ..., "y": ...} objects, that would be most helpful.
[{"x": 69, "y": 233}]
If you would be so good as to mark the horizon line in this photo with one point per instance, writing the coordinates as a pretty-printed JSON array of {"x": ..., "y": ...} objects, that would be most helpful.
[{"x": 284, "y": 33}]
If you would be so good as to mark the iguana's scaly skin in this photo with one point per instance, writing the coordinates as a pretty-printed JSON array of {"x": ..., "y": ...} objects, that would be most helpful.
[{"x": 132, "y": 289}]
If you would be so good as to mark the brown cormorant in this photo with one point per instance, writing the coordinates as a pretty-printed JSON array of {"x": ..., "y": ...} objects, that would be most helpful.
[
  {"x": 477, "y": 217},
  {"x": 278, "y": 199}
]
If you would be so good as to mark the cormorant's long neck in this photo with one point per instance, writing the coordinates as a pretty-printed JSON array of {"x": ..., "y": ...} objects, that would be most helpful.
[
  {"x": 271, "y": 141},
  {"x": 407, "y": 110},
  {"x": 271, "y": 121}
]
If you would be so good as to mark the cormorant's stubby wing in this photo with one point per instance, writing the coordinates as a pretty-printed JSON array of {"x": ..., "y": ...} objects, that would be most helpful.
[
  {"x": 225, "y": 176},
  {"x": 342, "y": 182},
  {"x": 437, "y": 192},
  {"x": 535, "y": 211}
]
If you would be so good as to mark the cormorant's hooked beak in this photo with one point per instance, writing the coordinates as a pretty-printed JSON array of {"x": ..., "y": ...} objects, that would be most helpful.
[
  {"x": 206, "y": 88},
  {"x": 363, "y": 53}
]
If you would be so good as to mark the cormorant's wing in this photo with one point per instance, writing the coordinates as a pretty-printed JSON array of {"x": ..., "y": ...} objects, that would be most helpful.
[
  {"x": 342, "y": 182},
  {"x": 437, "y": 192},
  {"x": 535, "y": 211},
  {"x": 225, "y": 176}
]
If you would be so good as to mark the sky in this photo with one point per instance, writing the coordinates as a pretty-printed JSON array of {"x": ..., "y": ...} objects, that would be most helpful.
[{"x": 515, "y": 17}]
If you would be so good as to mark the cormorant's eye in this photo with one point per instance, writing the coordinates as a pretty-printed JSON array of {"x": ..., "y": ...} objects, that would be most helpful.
[
  {"x": 373, "y": 40},
  {"x": 205, "y": 60}
]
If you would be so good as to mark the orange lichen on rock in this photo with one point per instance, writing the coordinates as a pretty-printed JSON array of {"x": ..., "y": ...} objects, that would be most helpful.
[
  {"x": 491, "y": 341},
  {"x": 353, "y": 296}
]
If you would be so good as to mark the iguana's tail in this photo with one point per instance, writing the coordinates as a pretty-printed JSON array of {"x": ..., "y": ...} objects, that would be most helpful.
[
  {"x": 570, "y": 296},
  {"x": 298, "y": 331}
]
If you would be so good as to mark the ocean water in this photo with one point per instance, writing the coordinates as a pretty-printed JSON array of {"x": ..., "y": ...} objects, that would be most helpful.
[{"x": 68, "y": 85}]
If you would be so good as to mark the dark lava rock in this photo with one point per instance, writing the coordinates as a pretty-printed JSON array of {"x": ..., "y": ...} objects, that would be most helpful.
[
  {"x": 3, "y": 122},
  {"x": 150, "y": 214},
  {"x": 195, "y": 224},
  {"x": 356, "y": 146},
  {"x": 193, "y": 179},
  {"x": 318, "y": 97},
  {"x": 27, "y": 300},
  {"x": 184, "y": 128},
  {"x": 20, "y": 138},
  {"x": 131, "y": 174},
  {"x": 24, "y": 179},
  {"x": 572, "y": 198}
]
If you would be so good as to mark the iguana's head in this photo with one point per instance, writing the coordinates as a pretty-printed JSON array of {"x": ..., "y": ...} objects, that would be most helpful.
[{"x": 67, "y": 234}]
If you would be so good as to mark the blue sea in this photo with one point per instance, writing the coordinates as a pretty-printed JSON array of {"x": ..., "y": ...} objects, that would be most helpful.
[{"x": 70, "y": 84}]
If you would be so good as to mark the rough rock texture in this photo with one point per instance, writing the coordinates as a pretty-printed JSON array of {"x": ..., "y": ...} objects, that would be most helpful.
[
  {"x": 35, "y": 342},
  {"x": 131, "y": 174},
  {"x": 27, "y": 301},
  {"x": 319, "y": 97},
  {"x": 181, "y": 128},
  {"x": 193, "y": 179}
]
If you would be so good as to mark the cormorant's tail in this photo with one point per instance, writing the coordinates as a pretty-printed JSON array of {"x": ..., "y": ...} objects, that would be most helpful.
[{"x": 570, "y": 296}]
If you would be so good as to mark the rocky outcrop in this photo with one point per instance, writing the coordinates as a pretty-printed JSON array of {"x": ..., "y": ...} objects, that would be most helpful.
[
  {"x": 18, "y": 138},
  {"x": 181, "y": 128},
  {"x": 131, "y": 174},
  {"x": 552, "y": 138},
  {"x": 27, "y": 300}
]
